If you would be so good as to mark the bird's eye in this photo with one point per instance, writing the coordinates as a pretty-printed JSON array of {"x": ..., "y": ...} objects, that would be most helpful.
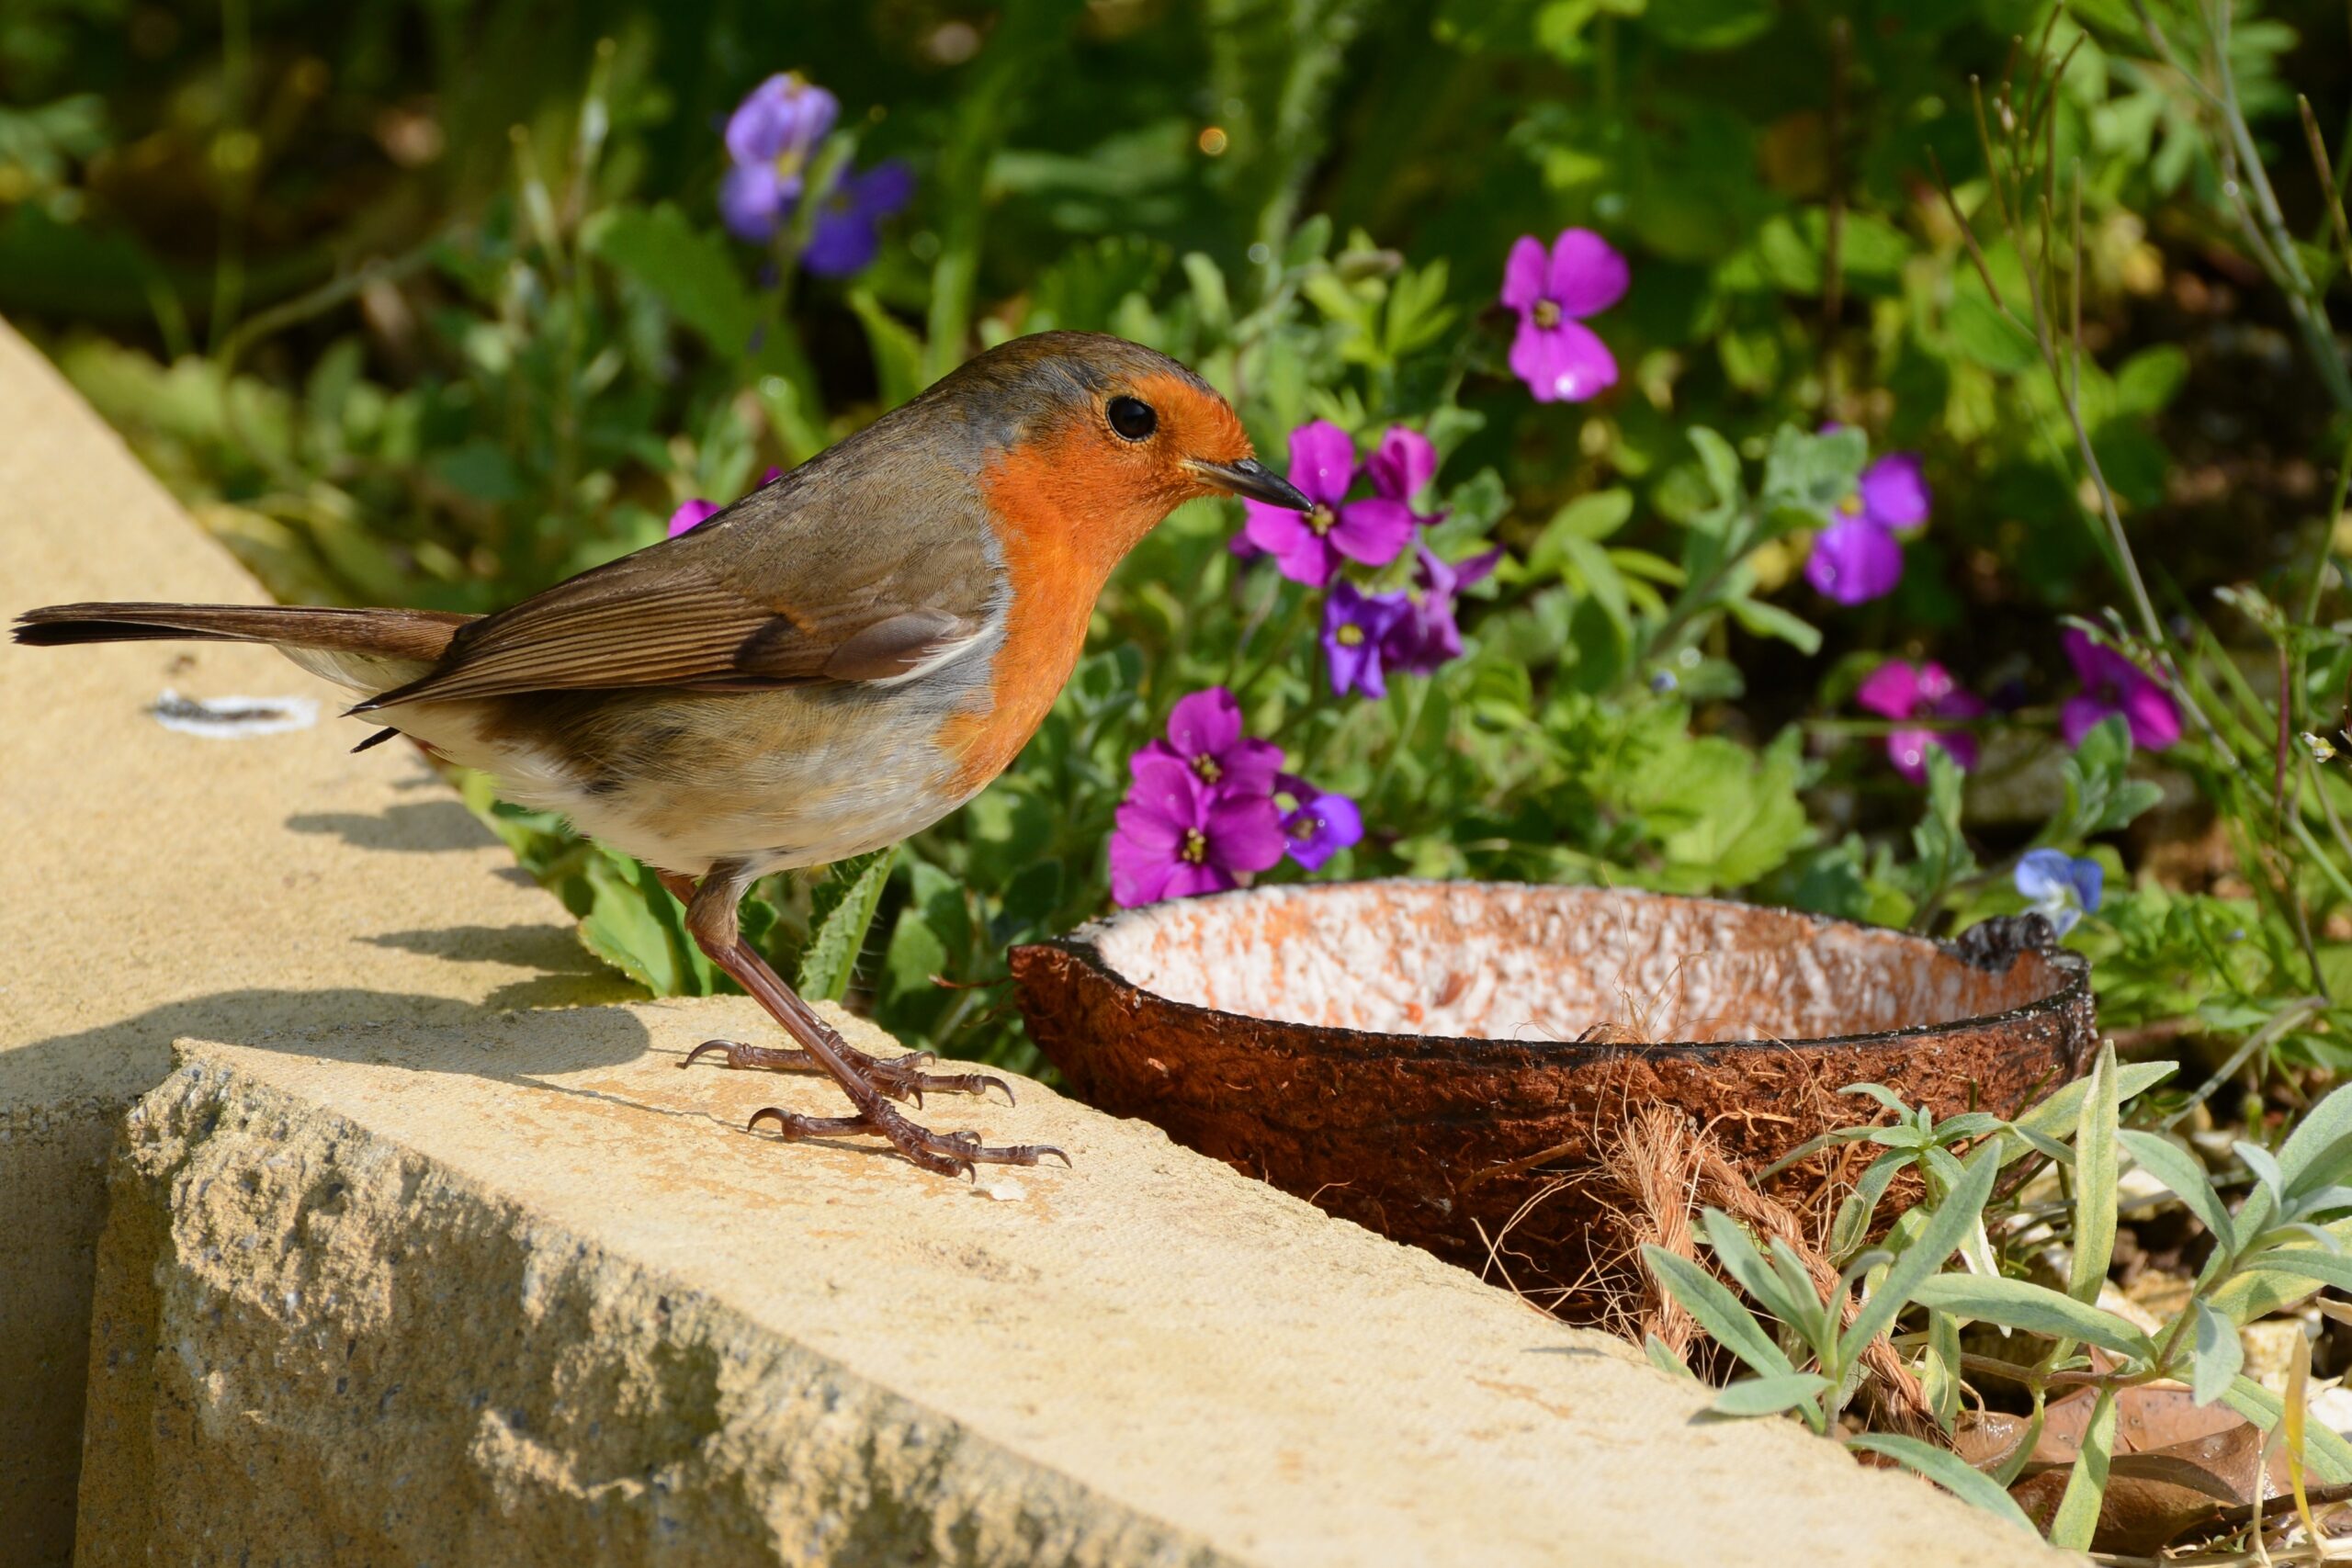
[{"x": 1132, "y": 418}]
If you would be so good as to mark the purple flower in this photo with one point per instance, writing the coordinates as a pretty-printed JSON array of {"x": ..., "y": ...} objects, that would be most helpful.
[
  {"x": 1204, "y": 738},
  {"x": 1560, "y": 358},
  {"x": 2112, "y": 683},
  {"x": 1308, "y": 548},
  {"x": 1899, "y": 690},
  {"x": 1177, "y": 836},
  {"x": 2061, "y": 888},
  {"x": 692, "y": 513},
  {"x": 846, "y": 234},
  {"x": 1426, "y": 635},
  {"x": 1356, "y": 625},
  {"x": 1319, "y": 825},
  {"x": 1403, "y": 465},
  {"x": 1858, "y": 558},
  {"x": 770, "y": 138}
]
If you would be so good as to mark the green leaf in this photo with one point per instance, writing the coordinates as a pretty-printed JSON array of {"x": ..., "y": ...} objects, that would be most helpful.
[
  {"x": 2185, "y": 1178},
  {"x": 1813, "y": 473},
  {"x": 1708, "y": 24},
  {"x": 633, "y": 924},
  {"x": 688, "y": 269},
  {"x": 2252, "y": 1292},
  {"x": 1771, "y": 621},
  {"x": 1662, "y": 1357},
  {"x": 2265, "y": 1165},
  {"x": 2147, "y": 381},
  {"x": 2318, "y": 1153},
  {"x": 2306, "y": 1263},
  {"x": 2057, "y": 1116},
  {"x": 1948, "y": 1470},
  {"x": 1767, "y": 1396},
  {"x": 896, "y": 350},
  {"x": 1716, "y": 1310},
  {"x": 2078, "y": 1516},
  {"x": 1737, "y": 1252},
  {"x": 2095, "y": 1181},
  {"x": 2327, "y": 1454},
  {"x": 2219, "y": 1355},
  {"x": 1983, "y": 335},
  {"x": 2018, "y": 1304},
  {"x": 1946, "y": 1229},
  {"x": 839, "y": 911},
  {"x": 1721, "y": 465}
]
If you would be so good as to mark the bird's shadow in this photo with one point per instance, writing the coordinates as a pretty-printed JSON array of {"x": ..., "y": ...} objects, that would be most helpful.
[{"x": 415, "y": 826}]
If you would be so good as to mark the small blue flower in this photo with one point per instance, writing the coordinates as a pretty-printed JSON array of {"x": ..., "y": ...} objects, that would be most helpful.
[{"x": 2060, "y": 888}]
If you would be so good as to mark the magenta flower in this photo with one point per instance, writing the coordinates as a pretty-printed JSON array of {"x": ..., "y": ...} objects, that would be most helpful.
[
  {"x": 1858, "y": 558},
  {"x": 1403, "y": 465},
  {"x": 847, "y": 231},
  {"x": 1560, "y": 358},
  {"x": 1177, "y": 836},
  {"x": 691, "y": 513},
  {"x": 2112, "y": 683},
  {"x": 1900, "y": 690},
  {"x": 1205, "y": 737},
  {"x": 1356, "y": 625},
  {"x": 1319, "y": 824},
  {"x": 771, "y": 138},
  {"x": 1308, "y": 548},
  {"x": 1427, "y": 636}
]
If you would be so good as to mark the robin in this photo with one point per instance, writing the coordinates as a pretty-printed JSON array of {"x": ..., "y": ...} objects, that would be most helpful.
[{"x": 827, "y": 666}]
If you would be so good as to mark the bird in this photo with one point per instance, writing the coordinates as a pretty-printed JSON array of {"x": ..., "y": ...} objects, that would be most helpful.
[{"x": 830, "y": 665}]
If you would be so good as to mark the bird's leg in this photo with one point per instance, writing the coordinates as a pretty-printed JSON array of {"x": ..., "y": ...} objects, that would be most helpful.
[
  {"x": 710, "y": 917},
  {"x": 901, "y": 1077}
]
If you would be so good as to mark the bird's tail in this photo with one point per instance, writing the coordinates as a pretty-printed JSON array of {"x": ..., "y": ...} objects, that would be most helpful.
[{"x": 367, "y": 650}]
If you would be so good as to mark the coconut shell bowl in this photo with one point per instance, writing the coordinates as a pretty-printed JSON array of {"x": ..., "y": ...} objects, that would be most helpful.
[{"x": 1447, "y": 1063}]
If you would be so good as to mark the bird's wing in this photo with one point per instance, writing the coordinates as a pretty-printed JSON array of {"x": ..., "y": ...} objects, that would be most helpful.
[{"x": 731, "y": 610}]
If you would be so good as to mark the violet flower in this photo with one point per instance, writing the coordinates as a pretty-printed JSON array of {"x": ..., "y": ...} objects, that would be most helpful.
[
  {"x": 1308, "y": 548},
  {"x": 1319, "y": 824},
  {"x": 2113, "y": 685},
  {"x": 1858, "y": 558},
  {"x": 1356, "y": 626},
  {"x": 2060, "y": 888},
  {"x": 691, "y": 513},
  {"x": 1427, "y": 636},
  {"x": 846, "y": 234},
  {"x": 1560, "y": 358},
  {"x": 1205, "y": 737},
  {"x": 1900, "y": 690},
  {"x": 1177, "y": 836},
  {"x": 770, "y": 137}
]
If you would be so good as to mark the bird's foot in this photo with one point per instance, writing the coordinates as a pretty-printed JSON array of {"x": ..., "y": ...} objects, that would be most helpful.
[
  {"x": 943, "y": 1154},
  {"x": 901, "y": 1077}
]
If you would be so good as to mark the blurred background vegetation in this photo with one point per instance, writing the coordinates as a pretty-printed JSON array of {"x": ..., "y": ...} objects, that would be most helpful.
[{"x": 428, "y": 301}]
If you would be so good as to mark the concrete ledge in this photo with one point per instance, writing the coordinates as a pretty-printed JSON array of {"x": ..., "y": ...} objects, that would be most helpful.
[{"x": 523, "y": 1292}]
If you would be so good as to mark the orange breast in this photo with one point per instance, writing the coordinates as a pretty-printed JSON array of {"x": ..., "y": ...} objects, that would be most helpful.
[{"x": 1063, "y": 518}]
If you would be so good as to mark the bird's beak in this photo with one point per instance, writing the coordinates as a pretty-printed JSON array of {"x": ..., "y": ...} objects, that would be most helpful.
[{"x": 1249, "y": 477}]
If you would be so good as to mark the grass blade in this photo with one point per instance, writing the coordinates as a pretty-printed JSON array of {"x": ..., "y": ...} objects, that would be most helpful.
[{"x": 1948, "y": 1470}]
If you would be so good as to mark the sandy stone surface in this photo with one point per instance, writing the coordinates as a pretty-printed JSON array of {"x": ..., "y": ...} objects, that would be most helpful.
[
  {"x": 425, "y": 1251},
  {"x": 523, "y": 1292},
  {"x": 161, "y": 884}
]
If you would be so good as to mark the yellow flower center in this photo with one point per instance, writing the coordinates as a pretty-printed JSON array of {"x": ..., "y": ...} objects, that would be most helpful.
[
  {"x": 1546, "y": 314},
  {"x": 1322, "y": 519},
  {"x": 1208, "y": 768},
  {"x": 1350, "y": 634},
  {"x": 1196, "y": 847},
  {"x": 1852, "y": 505}
]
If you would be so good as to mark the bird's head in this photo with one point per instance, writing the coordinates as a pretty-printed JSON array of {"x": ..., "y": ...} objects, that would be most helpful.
[{"x": 1095, "y": 439}]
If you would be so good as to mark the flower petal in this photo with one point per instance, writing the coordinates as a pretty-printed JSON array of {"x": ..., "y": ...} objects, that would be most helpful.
[
  {"x": 1273, "y": 529},
  {"x": 2153, "y": 716},
  {"x": 1892, "y": 691},
  {"x": 751, "y": 201},
  {"x": 692, "y": 513},
  {"x": 1322, "y": 461},
  {"x": 2041, "y": 873},
  {"x": 1374, "y": 530},
  {"x": 1186, "y": 880},
  {"x": 1165, "y": 786},
  {"x": 2084, "y": 652},
  {"x": 1250, "y": 767},
  {"x": 1564, "y": 363},
  {"x": 1139, "y": 875},
  {"x": 2081, "y": 716},
  {"x": 1523, "y": 273},
  {"x": 882, "y": 190},
  {"x": 1404, "y": 465},
  {"x": 1893, "y": 490},
  {"x": 781, "y": 112},
  {"x": 1854, "y": 562},
  {"x": 1208, "y": 722},
  {"x": 2090, "y": 882},
  {"x": 1244, "y": 833},
  {"x": 843, "y": 242},
  {"x": 1587, "y": 275}
]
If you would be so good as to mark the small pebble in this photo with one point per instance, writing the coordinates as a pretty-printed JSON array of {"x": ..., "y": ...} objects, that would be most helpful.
[{"x": 1004, "y": 1191}]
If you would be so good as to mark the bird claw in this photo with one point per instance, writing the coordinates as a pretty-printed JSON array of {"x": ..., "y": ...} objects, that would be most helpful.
[{"x": 901, "y": 1077}]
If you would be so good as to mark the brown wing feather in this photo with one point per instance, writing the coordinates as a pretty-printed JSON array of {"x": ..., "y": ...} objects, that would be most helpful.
[{"x": 781, "y": 590}]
